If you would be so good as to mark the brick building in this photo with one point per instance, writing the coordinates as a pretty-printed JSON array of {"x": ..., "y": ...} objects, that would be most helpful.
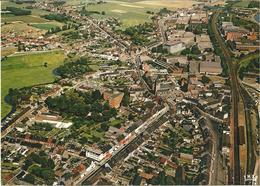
[{"x": 114, "y": 99}]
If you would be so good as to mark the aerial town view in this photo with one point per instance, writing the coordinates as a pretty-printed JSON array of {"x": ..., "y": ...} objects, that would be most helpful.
[{"x": 130, "y": 92}]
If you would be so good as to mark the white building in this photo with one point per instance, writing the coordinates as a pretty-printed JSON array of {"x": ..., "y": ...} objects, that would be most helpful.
[
  {"x": 95, "y": 154},
  {"x": 174, "y": 46}
]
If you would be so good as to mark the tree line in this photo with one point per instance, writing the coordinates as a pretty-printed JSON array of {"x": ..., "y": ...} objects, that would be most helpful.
[
  {"x": 57, "y": 17},
  {"x": 18, "y": 11}
]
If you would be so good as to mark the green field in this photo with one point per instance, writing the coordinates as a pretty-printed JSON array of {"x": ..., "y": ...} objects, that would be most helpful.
[
  {"x": 27, "y": 70},
  {"x": 242, "y": 4},
  {"x": 47, "y": 26},
  {"x": 26, "y": 18},
  {"x": 5, "y": 4},
  {"x": 129, "y": 14}
]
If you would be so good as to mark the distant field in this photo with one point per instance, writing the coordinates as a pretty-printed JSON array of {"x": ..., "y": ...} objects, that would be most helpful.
[
  {"x": 128, "y": 15},
  {"x": 243, "y": 4},
  {"x": 27, "y": 70},
  {"x": 134, "y": 13},
  {"x": 25, "y": 18},
  {"x": 170, "y": 4},
  {"x": 5, "y": 4},
  {"x": 34, "y": 18}
]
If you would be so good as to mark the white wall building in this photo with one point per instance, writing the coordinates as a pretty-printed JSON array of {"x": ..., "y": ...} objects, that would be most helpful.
[
  {"x": 95, "y": 154},
  {"x": 174, "y": 46}
]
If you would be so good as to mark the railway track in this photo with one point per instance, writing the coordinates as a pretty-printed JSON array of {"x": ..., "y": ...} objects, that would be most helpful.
[
  {"x": 251, "y": 158},
  {"x": 238, "y": 91},
  {"x": 235, "y": 99}
]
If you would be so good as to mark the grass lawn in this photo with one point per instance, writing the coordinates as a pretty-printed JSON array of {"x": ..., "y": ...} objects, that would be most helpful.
[
  {"x": 128, "y": 16},
  {"x": 6, "y": 51},
  {"x": 27, "y": 70},
  {"x": 93, "y": 134},
  {"x": 47, "y": 25},
  {"x": 94, "y": 67},
  {"x": 243, "y": 4},
  {"x": 246, "y": 60},
  {"x": 116, "y": 122},
  {"x": 10, "y": 165}
]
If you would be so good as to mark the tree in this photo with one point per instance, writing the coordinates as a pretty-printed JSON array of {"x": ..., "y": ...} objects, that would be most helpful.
[
  {"x": 126, "y": 97},
  {"x": 113, "y": 112},
  {"x": 27, "y": 163},
  {"x": 83, "y": 9},
  {"x": 106, "y": 106},
  {"x": 185, "y": 51},
  {"x": 96, "y": 95},
  {"x": 241, "y": 72},
  {"x": 195, "y": 50},
  {"x": 20, "y": 46},
  {"x": 130, "y": 116},
  {"x": 205, "y": 79},
  {"x": 18, "y": 11},
  {"x": 96, "y": 107},
  {"x": 42, "y": 160},
  {"x": 103, "y": 13},
  {"x": 74, "y": 68},
  {"x": 164, "y": 11},
  {"x": 136, "y": 180},
  {"x": 57, "y": 29},
  {"x": 42, "y": 153},
  {"x": 96, "y": 117},
  {"x": 184, "y": 87},
  {"x": 57, "y": 17},
  {"x": 48, "y": 175},
  {"x": 29, "y": 178},
  {"x": 254, "y": 4},
  {"x": 45, "y": 64},
  {"x": 120, "y": 137},
  {"x": 104, "y": 126},
  {"x": 50, "y": 164}
]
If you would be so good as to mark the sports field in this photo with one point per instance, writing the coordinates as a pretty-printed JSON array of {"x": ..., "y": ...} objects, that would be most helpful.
[
  {"x": 47, "y": 25},
  {"x": 26, "y": 70}
]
